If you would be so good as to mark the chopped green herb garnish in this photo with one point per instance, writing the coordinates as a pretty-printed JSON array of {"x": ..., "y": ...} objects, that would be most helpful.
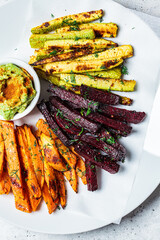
[
  {"x": 110, "y": 140},
  {"x": 90, "y": 76},
  {"x": 54, "y": 52},
  {"x": 81, "y": 131},
  {"x": 96, "y": 55},
  {"x": 74, "y": 28},
  {"x": 124, "y": 70},
  {"x": 88, "y": 111},
  {"x": 103, "y": 67},
  {"x": 76, "y": 38},
  {"x": 52, "y": 15}
]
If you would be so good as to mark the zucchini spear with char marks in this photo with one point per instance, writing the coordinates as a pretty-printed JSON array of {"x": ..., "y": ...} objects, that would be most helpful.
[
  {"x": 96, "y": 44},
  {"x": 76, "y": 66},
  {"x": 99, "y": 83},
  {"x": 38, "y": 40},
  {"x": 71, "y": 20},
  {"x": 64, "y": 56},
  {"x": 101, "y": 29}
]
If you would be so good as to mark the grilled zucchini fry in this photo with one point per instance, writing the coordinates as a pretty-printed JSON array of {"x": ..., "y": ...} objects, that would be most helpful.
[
  {"x": 124, "y": 51},
  {"x": 80, "y": 66},
  {"x": 51, "y": 205},
  {"x": 35, "y": 155},
  {"x": 96, "y": 44},
  {"x": 74, "y": 19},
  {"x": 100, "y": 83},
  {"x": 51, "y": 154},
  {"x": 71, "y": 176},
  {"x": 38, "y": 40},
  {"x": 110, "y": 73},
  {"x": 64, "y": 56},
  {"x": 101, "y": 29}
]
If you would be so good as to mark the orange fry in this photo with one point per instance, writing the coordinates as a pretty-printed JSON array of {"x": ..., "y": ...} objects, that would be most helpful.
[
  {"x": 36, "y": 156},
  {"x": 30, "y": 176},
  {"x": 13, "y": 165},
  {"x": 62, "y": 188},
  {"x": 5, "y": 183},
  {"x": 1, "y": 154},
  {"x": 72, "y": 178},
  {"x": 80, "y": 167},
  {"x": 51, "y": 205},
  {"x": 44, "y": 128},
  {"x": 51, "y": 154},
  {"x": 68, "y": 155}
]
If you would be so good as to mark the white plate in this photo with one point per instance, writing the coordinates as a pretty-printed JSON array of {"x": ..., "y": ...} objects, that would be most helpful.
[{"x": 16, "y": 21}]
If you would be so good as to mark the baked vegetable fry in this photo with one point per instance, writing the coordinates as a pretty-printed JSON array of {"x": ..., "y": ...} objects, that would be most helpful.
[
  {"x": 76, "y": 66},
  {"x": 50, "y": 179},
  {"x": 36, "y": 156},
  {"x": 1, "y": 154},
  {"x": 70, "y": 157},
  {"x": 33, "y": 187},
  {"x": 38, "y": 40},
  {"x": 80, "y": 167},
  {"x": 44, "y": 128},
  {"x": 100, "y": 83},
  {"x": 51, "y": 154},
  {"x": 74, "y": 19},
  {"x": 64, "y": 56},
  {"x": 62, "y": 188},
  {"x": 5, "y": 183},
  {"x": 107, "y": 30},
  {"x": 110, "y": 73},
  {"x": 51, "y": 205},
  {"x": 13, "y": 166},
  {"x": 96, "y": 44},
  {"x": 71, "y": 176},
  {"x": 124, "y": 51}
]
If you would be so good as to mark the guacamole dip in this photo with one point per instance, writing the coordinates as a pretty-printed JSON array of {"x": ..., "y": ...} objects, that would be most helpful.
[{"x": 16, "y": 90}]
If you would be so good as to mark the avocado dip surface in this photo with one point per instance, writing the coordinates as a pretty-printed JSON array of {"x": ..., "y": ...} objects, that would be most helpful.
[{"x": 16, "y": 90}]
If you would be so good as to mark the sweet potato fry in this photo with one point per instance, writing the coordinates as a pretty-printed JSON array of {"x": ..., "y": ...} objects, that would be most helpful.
[
  {"x": 62, "y": 189},
  {"x": 36, "y": 156},
  {"x": 44, "y": 128},
  {"x": 49, "y": 173},
  {"x": 51, "y": 181},
  {"x": 5, "y": 183},
  {"x": 30, "y": 177},
  {"x": 51, "y": 205},
  {"x": 70, "y": 157},
  {"x": 51, "y": 154},
  {"x": 72, "y": 178},
  {"x": 80, "y": 167},
  {"x": 13, "y": 166},
  {"x": 1, "y": 154}
]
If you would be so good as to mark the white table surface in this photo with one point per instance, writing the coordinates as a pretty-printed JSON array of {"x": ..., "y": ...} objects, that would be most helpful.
[{"x": 142, "y": 224}]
